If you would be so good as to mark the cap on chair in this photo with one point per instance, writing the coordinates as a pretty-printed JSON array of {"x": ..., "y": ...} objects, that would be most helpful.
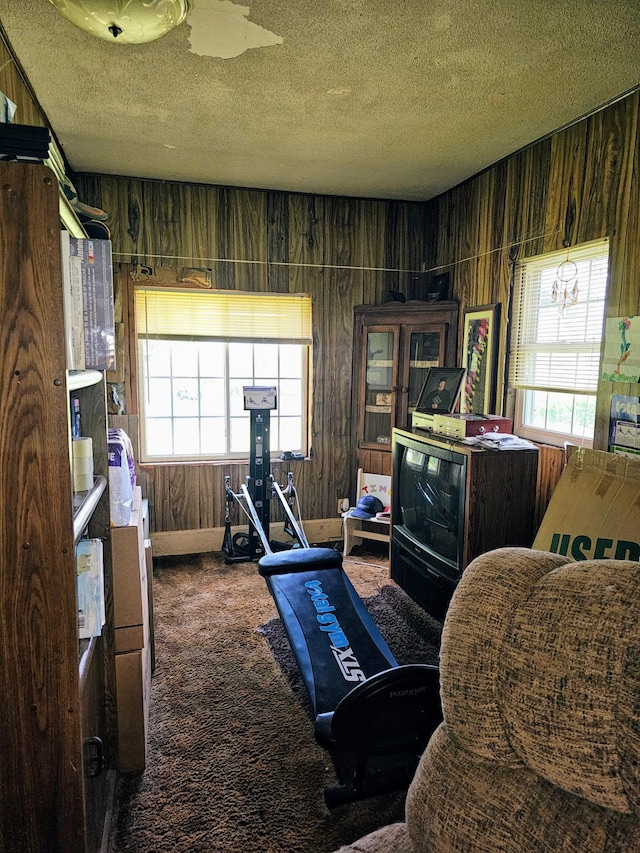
[{"x": 367, "y": 507}]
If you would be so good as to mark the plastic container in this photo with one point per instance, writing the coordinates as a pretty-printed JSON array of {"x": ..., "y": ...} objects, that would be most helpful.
[{"x": 122, "y": 477}]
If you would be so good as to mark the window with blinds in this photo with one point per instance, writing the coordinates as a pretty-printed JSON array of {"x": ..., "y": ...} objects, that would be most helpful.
[
  {"x": 223, "y": 315},
  {"x": 556, "y": 335},
  {"x": 198, "y": 349}
]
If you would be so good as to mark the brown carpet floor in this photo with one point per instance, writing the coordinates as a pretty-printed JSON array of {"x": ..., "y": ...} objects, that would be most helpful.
[{"x": 232, "y": 764}]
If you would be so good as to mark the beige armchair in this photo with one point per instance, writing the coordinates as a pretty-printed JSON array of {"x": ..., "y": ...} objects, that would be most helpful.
[{"x": 539, "y": 751}]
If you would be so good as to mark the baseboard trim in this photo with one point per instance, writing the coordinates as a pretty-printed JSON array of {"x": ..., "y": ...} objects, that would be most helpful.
[{"x": 172, "y": 543}]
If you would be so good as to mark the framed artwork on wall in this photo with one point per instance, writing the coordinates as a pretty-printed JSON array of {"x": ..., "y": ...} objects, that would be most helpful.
[{"x": 480, "y": 350}]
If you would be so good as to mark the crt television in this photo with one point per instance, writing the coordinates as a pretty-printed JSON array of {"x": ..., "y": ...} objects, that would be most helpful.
[{"x": 428, "y": 506}]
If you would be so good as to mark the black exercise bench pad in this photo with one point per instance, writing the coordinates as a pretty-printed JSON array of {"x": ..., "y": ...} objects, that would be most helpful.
[
  {"x": 297, "y": 559},
  {"x": 334, "y": 639}
]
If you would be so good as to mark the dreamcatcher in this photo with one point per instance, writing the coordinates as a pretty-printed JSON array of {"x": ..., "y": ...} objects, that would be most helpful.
[{"x": 564, "y": 291}]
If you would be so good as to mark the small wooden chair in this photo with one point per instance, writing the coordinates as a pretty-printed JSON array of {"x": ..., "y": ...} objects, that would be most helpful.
[{"x": 379, "y": 529}]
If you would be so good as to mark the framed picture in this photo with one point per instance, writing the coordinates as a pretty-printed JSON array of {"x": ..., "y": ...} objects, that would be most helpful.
[
  {"x": 440, "y": 390},
  {"x": 480, "y": 350}
]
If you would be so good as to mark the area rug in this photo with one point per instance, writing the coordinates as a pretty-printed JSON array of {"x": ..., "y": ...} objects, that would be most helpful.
[{"x": 232, "y": 764}]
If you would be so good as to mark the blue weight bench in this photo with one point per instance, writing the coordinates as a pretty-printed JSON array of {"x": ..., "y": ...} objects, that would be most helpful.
[{"x": 363, "y": 701}]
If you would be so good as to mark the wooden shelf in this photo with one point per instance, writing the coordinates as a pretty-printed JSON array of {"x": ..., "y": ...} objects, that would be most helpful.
[{"x": 77, "y": 379}]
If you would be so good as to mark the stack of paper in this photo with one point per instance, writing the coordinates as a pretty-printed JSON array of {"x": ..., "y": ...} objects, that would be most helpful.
[{"x": 500, "y": 441}]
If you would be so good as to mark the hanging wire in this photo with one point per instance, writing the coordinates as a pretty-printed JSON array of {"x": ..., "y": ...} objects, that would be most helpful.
[{"x": 127, "y": 256}]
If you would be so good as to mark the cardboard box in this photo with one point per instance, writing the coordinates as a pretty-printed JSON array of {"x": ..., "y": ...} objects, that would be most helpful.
[
  {"x": 133, "y": 689},
  {"x": 130, "y": 639},
  {"x": 594, "y": 512},
  {"x": 130, "y": 598}
]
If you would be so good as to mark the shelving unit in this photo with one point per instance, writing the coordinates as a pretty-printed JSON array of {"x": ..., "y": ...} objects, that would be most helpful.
[{"x": 58, "y": 726}]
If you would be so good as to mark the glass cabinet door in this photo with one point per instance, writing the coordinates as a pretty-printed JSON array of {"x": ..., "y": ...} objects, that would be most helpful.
[
  {"x": 395, "y": 346},
  {"x": 379, "y": 388},
  {"x": 425, "y": 351}
]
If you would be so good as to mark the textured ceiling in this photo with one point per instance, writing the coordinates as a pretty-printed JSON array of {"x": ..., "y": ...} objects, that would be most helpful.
[{"x": 372, "y": 98}]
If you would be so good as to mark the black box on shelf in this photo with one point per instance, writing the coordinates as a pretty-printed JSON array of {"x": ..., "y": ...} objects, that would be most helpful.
[{"x": 23, "y": 142}]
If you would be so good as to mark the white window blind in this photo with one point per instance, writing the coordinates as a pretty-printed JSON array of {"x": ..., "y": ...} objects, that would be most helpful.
[
  {"x": 556, "y": 348},
  {"x": 229, "y": 315}
]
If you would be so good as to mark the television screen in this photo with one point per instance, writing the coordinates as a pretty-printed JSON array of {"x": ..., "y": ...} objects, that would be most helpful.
[{"x": 428, "y": 494}]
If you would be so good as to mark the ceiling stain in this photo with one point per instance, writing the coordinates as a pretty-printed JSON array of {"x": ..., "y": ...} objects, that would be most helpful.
[{"x": 222, "y": 29}]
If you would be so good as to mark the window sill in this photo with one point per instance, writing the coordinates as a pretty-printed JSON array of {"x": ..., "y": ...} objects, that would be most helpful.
[
  {"x": 174, "y": 463},
  {"x": 553, "y": 439}
]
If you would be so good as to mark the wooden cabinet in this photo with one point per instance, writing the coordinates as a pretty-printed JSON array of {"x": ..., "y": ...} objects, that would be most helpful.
[
  {"x": 450, "y": 503},
  {"x": 58, "y": 726},
  {"x": 394, "y": 346}
]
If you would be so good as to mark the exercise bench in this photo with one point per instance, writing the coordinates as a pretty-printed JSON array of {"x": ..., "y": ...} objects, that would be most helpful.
[{"x": 363, "y": 701}]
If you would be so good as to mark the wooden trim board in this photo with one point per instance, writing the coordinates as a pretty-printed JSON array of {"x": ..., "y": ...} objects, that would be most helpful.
[{"x": 197, "y": 541}]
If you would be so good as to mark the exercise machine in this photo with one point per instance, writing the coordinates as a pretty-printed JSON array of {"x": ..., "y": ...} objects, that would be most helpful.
[
  {"x": 363, "y": 702},
  {"x": 255, "y": 495},
  {"x": 365, "y": 705}
]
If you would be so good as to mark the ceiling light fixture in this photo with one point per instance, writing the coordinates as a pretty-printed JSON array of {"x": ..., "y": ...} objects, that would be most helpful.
[{"x": 124, "y": 21}]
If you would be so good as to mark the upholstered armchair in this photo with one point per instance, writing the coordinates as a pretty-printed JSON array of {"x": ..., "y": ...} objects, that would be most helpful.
[{"x": 539, "y": 751}]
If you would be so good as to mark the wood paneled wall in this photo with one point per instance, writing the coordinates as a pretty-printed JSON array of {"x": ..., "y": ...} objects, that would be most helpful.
[
  {"x": 579, "y": 185},
  {"x": 14, "y": 84},
  {"x": 344, "y": 252}
]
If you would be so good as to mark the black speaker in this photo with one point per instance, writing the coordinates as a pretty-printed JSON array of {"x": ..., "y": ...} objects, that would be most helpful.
[{"x": 437, "y": 288}]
